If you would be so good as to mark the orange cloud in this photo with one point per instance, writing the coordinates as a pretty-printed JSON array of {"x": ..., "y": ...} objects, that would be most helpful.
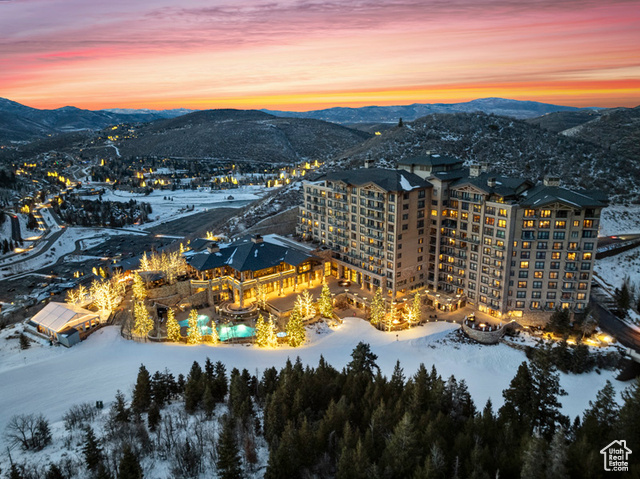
[{"x": 313, "y": 54}]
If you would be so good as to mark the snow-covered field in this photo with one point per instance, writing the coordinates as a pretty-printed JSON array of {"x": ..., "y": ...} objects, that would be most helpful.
[
  {"x": 203, "y": 200},
  {"x": 618, "y": 220},
  {"x": 50, "y": 379},
  {"x": 612, "y": 270}
]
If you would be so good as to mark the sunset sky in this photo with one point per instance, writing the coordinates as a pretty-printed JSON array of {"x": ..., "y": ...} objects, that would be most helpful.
[{"x": 311, "y": 54}]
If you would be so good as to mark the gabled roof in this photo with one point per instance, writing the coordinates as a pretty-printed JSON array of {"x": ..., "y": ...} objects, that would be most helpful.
[
  {"x": 200, "y": 244},
  {"x": 431, "y": 160},
  {"x": 387, "y": 179},
  {"x": 504, "y": 186},
  {"x": 56, "y": 316},
  {"x": 543, "y": 195},
  {"x": 245, "y": 255}
]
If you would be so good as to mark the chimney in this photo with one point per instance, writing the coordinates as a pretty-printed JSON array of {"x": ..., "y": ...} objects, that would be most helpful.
[
  {"x": 491, "y": 182},
  {"x": 551, "y": 180},
  {"x": 484, "y": 166},
  {"x": 368, "y": 163},
  {"x": 213, "y": 248},
  {"x": 474, "y": 170},
  {"x": 257, "y": 239}
]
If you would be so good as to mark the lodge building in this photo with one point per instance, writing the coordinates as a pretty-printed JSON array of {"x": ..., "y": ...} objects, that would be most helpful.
[
  {"x": 506, "y": 246},
  {"x": 233, "y": 272}
]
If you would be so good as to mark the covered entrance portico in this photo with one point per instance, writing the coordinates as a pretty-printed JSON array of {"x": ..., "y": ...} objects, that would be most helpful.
[{"x": 445, "y": 302}]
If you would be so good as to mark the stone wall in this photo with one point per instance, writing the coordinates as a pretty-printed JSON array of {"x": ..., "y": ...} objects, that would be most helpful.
[
  {"x": 486, "y": 336},
  {"x": 534, "y": 318},
  {"x": 182, "y": 288},
  {"x": 197, "y": 299}
]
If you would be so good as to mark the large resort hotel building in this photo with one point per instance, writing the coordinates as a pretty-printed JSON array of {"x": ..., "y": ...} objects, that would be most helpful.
[{"x": 505, "y": 246}]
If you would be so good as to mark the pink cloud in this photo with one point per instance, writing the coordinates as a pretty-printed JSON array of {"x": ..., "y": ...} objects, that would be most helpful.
[{"x": 76, "y": 49}]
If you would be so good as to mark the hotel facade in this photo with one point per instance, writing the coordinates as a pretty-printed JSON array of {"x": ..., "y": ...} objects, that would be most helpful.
[{"x": 505, "y": 246}]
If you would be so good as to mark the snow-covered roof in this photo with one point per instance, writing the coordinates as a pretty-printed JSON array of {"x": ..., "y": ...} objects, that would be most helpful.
[
  {"x": 60, "y": 316},
  {"x": 387, "y": 179},
  {"x": 247, "y": 255}
]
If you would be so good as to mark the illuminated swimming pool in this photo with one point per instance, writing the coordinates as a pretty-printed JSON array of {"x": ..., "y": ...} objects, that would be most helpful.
[
  {"x": 224, "y": 332},
  {"x": 235, "y": 331}
]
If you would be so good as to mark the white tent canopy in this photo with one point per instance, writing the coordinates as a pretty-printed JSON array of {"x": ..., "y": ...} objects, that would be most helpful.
[{"x": 57, "y": 317}]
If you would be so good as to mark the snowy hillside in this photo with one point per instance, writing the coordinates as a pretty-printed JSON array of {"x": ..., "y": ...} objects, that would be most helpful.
[{"x": 51, "y": 379}]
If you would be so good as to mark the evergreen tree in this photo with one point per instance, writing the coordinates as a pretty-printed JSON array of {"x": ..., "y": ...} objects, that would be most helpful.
[
  {"x": 266, "y": 333},
  {"x": 208, "y": 402},
  {"x": 400, "y": 123},
  {"x": 601, "y": 416},
  {"x": 261, "y": 332},
  {"x": 296, "y": 332},
  {"x": 139, "y": 289},
  {"x": 401, "y": 453},
  {"x": 194, "y": 388},
  {"x": 143, "y": 322},
  {"x": 129, "y": 465},
  {"x": 91, "y": 450},
  {"x": 377, "y": 307},
  {"x": 215, "y": 337},
  {"x": 546, "y": 388},
  {"x": 141, "y": 399},
  {"x": 533, "y": 459},
  {"x": 173, "y": 328},
  {"x": 397, "y": 379},
  {"x": 154, "y": 416},
  {"x": 194, "y": 335},
  {"x": 119, "y": 410},
  {"x": 518, "y": 407},
  {"x": 325, "y": 302},
  {"x": 623, "y": 295},
  {"x": 363, "y": 360},
  {"x": 228, "y": 463},
  {"x": 306, "y": 304},
  {"x": 629, "y": 422},
  {"x": 559, "y": 322},
  {"x": 102, "y": 472},
  {"x": 54, "y": 472},
  {"x": 220, "y": 386},
  {"x": 414, "y": 313},
  {"x": 557, "y": 461},
  {"x": 15, "y": 472},
  {"x": 261, "y": 296},
  {"x": 272, "y": 339}
]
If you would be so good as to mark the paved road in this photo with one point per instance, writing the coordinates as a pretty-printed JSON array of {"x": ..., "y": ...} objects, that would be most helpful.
[{"x": 611, "y": 324}]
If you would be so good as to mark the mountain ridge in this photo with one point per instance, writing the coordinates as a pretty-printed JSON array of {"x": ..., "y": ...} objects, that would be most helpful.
[
  {"x": 391, "y": 114},
  {"x": 19, "y": 122}
]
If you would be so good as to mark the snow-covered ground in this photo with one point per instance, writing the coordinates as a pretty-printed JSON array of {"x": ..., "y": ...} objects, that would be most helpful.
[
  {"x": 618, "y": 220},
  {"x": 50, "y": 379},
  {"x": 202, "y": 200},
  {"x": 612, "y": 270}
]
